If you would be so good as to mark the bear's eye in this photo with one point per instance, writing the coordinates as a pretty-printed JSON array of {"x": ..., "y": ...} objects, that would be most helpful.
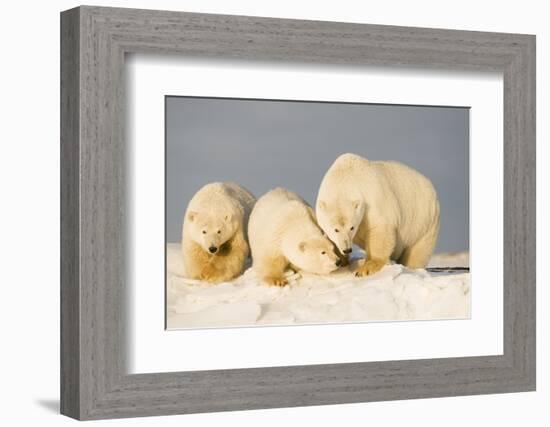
[
  {"x": 219, "y": 231},
  {"x": 352, "y": 228},
  {"x": 323, "y": 253},
  {"x": 203, "y": 231},
  {"x": 336, "y": 230}
]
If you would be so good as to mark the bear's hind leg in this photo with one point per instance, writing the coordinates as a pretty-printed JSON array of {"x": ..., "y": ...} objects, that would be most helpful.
[{"x": 418, "y": 255}]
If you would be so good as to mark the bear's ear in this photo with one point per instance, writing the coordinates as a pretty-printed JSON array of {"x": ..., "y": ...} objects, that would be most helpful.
[
  {"x": 191, "y": 216},
  {"x": 322, "y": 205},
  {"x": 302, "y": 246}
]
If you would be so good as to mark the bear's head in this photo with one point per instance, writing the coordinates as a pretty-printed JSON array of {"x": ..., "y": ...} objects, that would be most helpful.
[
  {"x": 211, "y": 230},
  {"x": 313, "y": 254},
  {"x": 340, "y": 220}
]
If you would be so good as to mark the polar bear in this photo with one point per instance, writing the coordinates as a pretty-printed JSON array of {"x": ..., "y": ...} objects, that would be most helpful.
[
  {"x": 284, "y": 234},
  {"x": 386, "y": 208},
  {"x": 214, "y": 239}
]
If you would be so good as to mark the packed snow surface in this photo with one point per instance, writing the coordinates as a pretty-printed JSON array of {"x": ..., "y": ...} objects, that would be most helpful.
[{"x": 394, "y": 293}]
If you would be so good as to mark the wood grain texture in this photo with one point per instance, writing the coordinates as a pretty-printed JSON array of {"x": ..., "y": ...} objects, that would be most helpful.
[
  {"x": 70, "y": 257},
  {"x": 94, "y": 267}
]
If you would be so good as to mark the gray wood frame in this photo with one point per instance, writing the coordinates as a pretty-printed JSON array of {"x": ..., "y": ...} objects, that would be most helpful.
[{"x": 94, "y": 382}]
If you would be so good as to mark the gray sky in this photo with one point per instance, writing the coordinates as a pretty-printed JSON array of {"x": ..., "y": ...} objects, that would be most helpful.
[{"x": 263, "y": 144}]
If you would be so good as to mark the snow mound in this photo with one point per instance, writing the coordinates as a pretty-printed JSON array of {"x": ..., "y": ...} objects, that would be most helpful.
[
  {"x": 394, "y": 293},
  {"x": 450, "y": 259}
]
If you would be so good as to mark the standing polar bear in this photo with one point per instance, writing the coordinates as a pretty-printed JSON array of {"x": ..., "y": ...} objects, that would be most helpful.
[
  {"x": 283, "y": 234},
  {"x": 214, "y": 241},
  {"x": 386, "y": 208}
]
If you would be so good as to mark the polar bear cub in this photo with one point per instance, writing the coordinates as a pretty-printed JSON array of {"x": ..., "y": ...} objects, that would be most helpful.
[
  {"x": 386, "y": 208},
  {"x": 214, "y": 238},
  {"x": 284, "y": 234}
]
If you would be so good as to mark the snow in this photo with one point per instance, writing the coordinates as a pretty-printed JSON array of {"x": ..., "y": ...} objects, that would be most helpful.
[
  {"x": 394, "y": 293},
  {"x": 452, "y": 259}
]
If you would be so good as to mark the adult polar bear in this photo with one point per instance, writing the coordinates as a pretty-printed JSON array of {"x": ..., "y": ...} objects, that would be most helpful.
[
  {"x": 386, "y": 208},
  {"x": 214, "y": 238}
]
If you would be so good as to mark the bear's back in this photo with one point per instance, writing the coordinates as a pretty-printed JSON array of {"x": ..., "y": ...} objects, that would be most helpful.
[
  {"x": 410, "y": 184},
  {"x": 223, "y": 196},
  {"x": 277, "y": 203},
  {"x": 238, "y": 192},
  {"x": 275, "y": 212},
  {"x": 415, "y": 196},
  {"x": 343, "y": 172}
]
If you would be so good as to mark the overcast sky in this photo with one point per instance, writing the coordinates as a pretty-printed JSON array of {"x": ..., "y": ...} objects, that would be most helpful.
[{"x": 263, "y": 144}]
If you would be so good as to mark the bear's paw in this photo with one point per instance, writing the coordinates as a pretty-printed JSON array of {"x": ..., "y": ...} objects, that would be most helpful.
[
  {"x": 276, "y": 281},
  {"x": 370, "y": 267},
  {"x": 209, "y": 273}
]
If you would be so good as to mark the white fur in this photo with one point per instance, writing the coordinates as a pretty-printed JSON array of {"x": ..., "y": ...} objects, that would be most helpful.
[
  {"x": 387, "y": 208},
  {"x": 283, "y": 233},
  {"x": 216, "y": 218}
]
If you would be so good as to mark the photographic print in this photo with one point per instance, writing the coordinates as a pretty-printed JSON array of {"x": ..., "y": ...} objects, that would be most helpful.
[
  {"x": 284, "y": 212},
  {"x": 250, "y": 208}
]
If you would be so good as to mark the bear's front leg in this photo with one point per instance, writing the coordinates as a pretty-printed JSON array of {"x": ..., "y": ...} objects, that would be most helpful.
[
  {"x": 228, "y": 263},
  {"x": 221, "y": 269},
  {"x": 370, "y": 266},
  {"x": 271, "y": 270},
  {"x": 194, "y": 259},
  {"x": 380, "y": 243},
  {"x": 210, "y": 273},
  {"x": 230, "y": 260}
]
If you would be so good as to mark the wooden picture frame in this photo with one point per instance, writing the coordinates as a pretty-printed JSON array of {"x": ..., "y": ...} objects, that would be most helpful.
[{"x": 94, "y": 382}]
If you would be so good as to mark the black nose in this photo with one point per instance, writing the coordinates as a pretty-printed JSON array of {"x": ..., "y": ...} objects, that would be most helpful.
[
  {"x": 347, "y": 251},
  {"x": 213, "y": 249},
  {"x": 338, "y": 263}
]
